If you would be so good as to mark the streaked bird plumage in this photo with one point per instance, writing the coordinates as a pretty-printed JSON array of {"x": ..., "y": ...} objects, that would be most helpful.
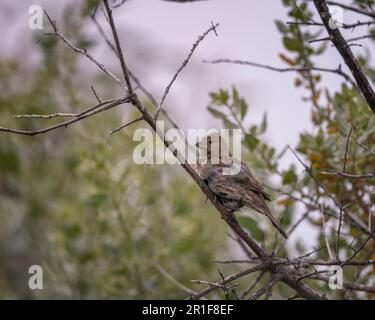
[{"x": 234, "y": 191}]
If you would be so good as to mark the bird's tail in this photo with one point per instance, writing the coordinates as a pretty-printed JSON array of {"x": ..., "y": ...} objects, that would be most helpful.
[{"x": 275, "y": 223}]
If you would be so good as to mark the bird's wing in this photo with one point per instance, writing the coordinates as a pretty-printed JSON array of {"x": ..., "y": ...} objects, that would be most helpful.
[
  {"x": 222, "y": 186},
  {"x": 247, "y": 180}
]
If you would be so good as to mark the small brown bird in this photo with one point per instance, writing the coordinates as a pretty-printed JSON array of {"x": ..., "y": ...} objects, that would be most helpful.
[{"x": 236, "y": 190}]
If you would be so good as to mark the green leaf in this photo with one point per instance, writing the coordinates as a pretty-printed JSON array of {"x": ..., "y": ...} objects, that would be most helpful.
[
  {"x": 252, "y": 226},
  {"x": 72, "y": 231},
  {"x": 243, "y": 108},
  {"x": 292, "y": 44},
  {"x": 219, "y": 98},
  {"x": 235, "y": 95},
  {"x": 239, "y": 103},
  {"x": 9, "y": 161},
  {"x": 217, "y": 114},
  {"x": 48, "y": 42},
  {"x": 85, "y": 43},
  {"x": 253, "y": 129},
  {"x": 251, "y": 141},
  {"x": 289, "y": 176},
  {"x": 88, "y": 7},
  {"x": 229, "y": 124},
  {"x": 96, "y": 200},
  {"x": 321, "y": 49},
  {"x": 263, "y": 125},
  {"x": 281, "y": 26}
]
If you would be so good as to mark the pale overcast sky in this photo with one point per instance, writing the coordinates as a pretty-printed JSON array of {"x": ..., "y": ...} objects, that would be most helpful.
[{"x": 167, "y": 31}]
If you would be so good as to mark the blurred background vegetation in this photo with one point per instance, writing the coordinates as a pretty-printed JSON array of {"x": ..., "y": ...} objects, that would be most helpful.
[{"x": 74, "y": 202}]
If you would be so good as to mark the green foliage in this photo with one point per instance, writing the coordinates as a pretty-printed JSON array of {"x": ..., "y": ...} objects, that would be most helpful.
[
  {"x": 74, "y": 202},
  {"x": 88, "y": 7},
  {"x": 290, "y": 176},
  {"x": 333, "y": 116},
  {"x": 236, "y": 105},
  {"x": 251, "y": 141},
  {"x": 253, "y": 227}
]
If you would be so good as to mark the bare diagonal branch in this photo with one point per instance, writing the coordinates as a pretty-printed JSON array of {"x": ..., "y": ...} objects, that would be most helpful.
[
  {"x": 346, "y": 53},
  {"x": 118, "y": 47},
  {"x": 65, "y": 124},
  {"x": 84, "y": 52}
]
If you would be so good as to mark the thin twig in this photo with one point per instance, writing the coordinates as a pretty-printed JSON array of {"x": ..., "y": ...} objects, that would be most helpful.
[
  {"x": 298, "y": 222},
  {"x": 357, "y": 250},
  {"x": 230, "y": 261},
  {"x": 65, "y": 124},
  {"x": 267, "y": 287},
  {"x": 324, "y": 229},
  {"x": 241, "y": 243},
  {"x": 366, "y": 148},
  {"x": 79, "y": 50},
  {"x": 291, "y": 69},
  {"x": 313, "y": 273},
  {"x": 367, "y": 36},
  {"x": 174, "y": 281},
  {"x": 118, "y": 48},
  {"x": 184, "y": 63},
  {"x": 355, "y": 220},
  {"x": 135, "y": 79},
  {"x": 325, "y": 263},
  {"x": 126, "y": 125},
  {"x": 235, "y": 276},
  {"x": 300, "y": 261},
  {"x": 349, "y": 175},
  {"x": 118, "y": 4},
  {"x": 342, "y": 194},
  {"x": 213, "y": 284},
  {"x": 45, "y": 116},
  {"x": 225, "y": 289},
  {"x": 308, "y": 254},
  {"x": 95, "y": 94},
  {"x": 253, "y": 285},
  {"x": 347, "y": 285},
  {"x": 351, "y": 8}
]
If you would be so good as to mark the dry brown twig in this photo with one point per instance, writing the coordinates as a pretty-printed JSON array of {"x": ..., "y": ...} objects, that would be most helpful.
[
  {"x": 135, "y": 79},
  {"x": 349, "y": 175},
  {"x": 351, "y": 8},
  {"x": 337, "y": 71},
  {"x": 354, "y": 219},
  {"x": 342, "y": 194},
  {"x": 183, "y": 65},
  {"x": 173, "y": 280},
  {"x": 372, "y": 152},
  {"x": 104, "y": 106},
  {"x": 235, "y": 276},
  {"x": 84, "y": 52},
  {"x": 275, "y": 277}
]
